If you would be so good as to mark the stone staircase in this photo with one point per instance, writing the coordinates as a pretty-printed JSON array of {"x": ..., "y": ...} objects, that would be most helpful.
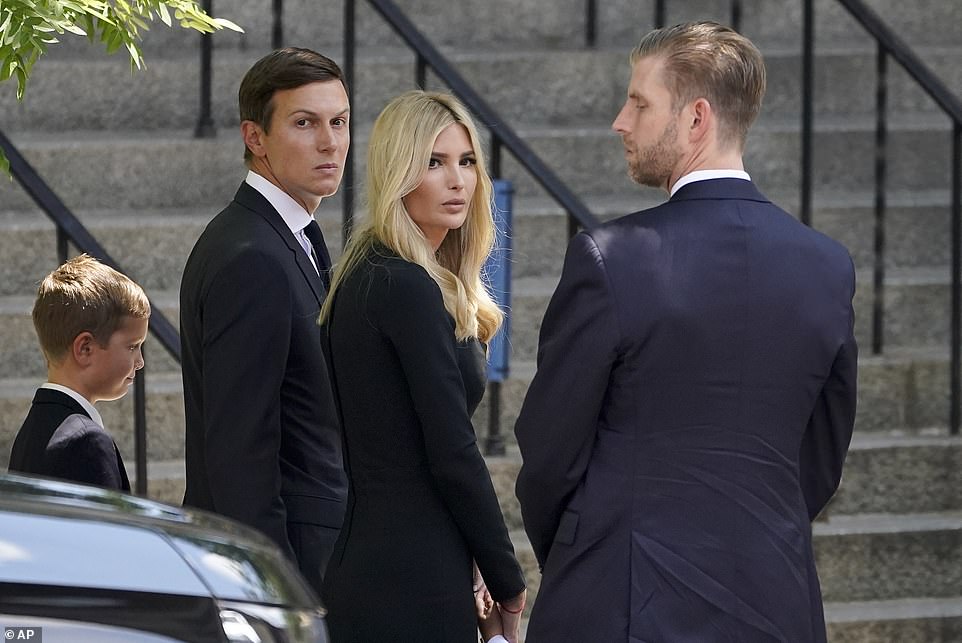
[{"x": 118, "y": 148}]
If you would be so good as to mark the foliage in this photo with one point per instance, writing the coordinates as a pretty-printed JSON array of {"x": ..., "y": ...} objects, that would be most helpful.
[{"x": 28, "y": 27}]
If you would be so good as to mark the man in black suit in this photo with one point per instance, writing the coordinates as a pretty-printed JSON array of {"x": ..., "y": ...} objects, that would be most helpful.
[
  {"x": 263, "y": 443},
  {"x": 695, "y": 392}
]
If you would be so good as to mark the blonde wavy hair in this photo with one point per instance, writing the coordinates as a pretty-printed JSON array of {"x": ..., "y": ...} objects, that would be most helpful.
[{"x": 398, "y": 154}]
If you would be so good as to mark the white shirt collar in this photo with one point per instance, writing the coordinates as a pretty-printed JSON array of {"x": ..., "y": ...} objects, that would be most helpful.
[
  {"x": 293, "y": 213},
  {"x": 705, "y": 175},
  {"x": 81, "y": 400}
]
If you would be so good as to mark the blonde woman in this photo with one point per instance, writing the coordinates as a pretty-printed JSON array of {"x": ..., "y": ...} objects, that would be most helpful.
[{"x": 407, "y": 318}]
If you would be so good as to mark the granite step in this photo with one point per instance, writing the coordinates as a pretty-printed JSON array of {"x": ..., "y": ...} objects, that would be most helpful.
[
  {"x": 911, "y": 620},
  {"x": 150, "y": 245},
  {"x": 863, "y": 559},
  {"x": 90, "y": 171},
  {"x": 917, "y": 310},
  {"x": 591, "y": 159},
  {"x": 868, "y": 557},
  {"x": 917, "y": 225},
  {"x": 106, "y": 96},
  {"x": 165, "y": 416},
  {"x": 904, "y": 393},
  {"x": 518, "y": 24},
  {"x": 900, "y": 474},
  {"x": 883, "y": 474},
  {"x": 20, "y": 353}
]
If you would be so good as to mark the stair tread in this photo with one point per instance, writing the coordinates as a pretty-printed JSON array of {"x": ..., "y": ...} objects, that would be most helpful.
[
  {"x": 897, "y": 609},
  {"x": 867, "y": 441},
  {"x": 157, "y": 382},
  {"x": 851, "y": 524}
]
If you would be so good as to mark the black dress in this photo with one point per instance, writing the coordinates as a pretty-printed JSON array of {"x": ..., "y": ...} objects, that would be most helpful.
[{"x": 421, "y": 504}]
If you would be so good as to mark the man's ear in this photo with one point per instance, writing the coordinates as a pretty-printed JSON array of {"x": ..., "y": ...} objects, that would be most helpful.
[
  {"x": 82, "y": 348},
  {"x": 701, "y": 119},
  {"x": 253, "y": 135}
]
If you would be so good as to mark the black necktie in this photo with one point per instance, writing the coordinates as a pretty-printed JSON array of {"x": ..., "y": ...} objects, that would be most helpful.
[{"x": 321, "y": 257}]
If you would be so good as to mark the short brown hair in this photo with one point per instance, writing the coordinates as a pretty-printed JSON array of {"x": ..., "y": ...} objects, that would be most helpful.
[
  {"x": 286, "y": 68},
  {"x": 711, "y": 61},
  {"x": 84, "y": 295}
]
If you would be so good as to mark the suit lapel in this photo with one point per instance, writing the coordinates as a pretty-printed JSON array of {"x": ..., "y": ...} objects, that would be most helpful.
[{"x": 255, "y": 201}]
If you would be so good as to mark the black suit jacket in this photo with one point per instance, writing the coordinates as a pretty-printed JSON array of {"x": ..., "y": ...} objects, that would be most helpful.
[
  {"x": 692, "y": 408},
  {"x": 421, "y": 504},
  {"x": 59, "y": 440},
  {"x": 262, "y": 435}
]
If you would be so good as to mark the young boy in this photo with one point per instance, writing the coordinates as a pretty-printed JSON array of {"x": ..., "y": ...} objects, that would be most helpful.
[{"x": 91, "y": 322}]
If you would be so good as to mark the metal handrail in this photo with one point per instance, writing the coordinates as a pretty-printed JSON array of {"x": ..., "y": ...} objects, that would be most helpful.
[
  {"x": 501, "y": 133},
  {"x": 889, "y": 44},
  {"x": 70, "y": 228}
]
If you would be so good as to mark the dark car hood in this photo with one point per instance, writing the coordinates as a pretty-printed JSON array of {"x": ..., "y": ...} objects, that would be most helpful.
[{"x": 232, "y": 561}]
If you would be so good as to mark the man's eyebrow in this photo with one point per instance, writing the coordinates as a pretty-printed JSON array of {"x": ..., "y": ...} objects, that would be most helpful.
[{"x": 313, "y": 114}]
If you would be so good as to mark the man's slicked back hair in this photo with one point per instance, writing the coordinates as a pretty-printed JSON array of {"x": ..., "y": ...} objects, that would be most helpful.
[{"x": 711, "y": 61}]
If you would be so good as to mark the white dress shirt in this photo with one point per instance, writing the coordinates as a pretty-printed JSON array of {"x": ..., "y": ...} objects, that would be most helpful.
[
  {"x": 293, "y": 214},
  {"x": 81, "y": 400},
  {"x": 705, "y": 175}
]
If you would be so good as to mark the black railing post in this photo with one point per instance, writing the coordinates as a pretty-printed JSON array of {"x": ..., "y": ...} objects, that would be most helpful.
[
  {"x": 140, "y": 428},
  {"x": 956, "y": 334},
  {"x": 736, "y": 23},
  {"x": 659, "y": 14},
  {"x": 573, "y": 226},
  {"x": 881, "y": 134},
  {"x": 205, "y": 122},
  {"x": 808, "y": 108},
  {"x": 277, "y": 33},
  {"x": 61, "y": 245},
  {"x": 494, "y": 443},
  {"x": 495, "y": 156},
  {"x": 591, "y": 23},
  {"x": 420, "y": 73},
  {"x": 347, "y": 180},
  {"x": 448, "y": 75}
]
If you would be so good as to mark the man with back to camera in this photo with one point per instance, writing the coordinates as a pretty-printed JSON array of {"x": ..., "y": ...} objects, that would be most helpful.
[
  {"x": 695, "y": 393},
  {"x": 263, "y": 443}
]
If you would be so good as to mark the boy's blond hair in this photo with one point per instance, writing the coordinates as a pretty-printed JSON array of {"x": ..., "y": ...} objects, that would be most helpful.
[{"x": 84, "y": 295}]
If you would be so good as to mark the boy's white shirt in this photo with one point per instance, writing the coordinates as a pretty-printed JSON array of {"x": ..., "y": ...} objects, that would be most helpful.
[{"x": 497, "y": 638}]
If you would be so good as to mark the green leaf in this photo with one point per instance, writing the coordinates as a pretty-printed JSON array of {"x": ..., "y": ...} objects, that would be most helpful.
[
  {"x": 135, "y": 55},
  {"x": 4, "y": 164},
  {"x": 21, "y": 81},
  {"x": 227, "y": 24},
  {"x": 164, "y": 14}
]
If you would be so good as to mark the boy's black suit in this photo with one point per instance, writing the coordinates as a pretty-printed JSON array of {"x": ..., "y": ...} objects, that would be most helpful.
[
  {"x": 263, "y": 443},
  {"x": 59, "y": 440}
]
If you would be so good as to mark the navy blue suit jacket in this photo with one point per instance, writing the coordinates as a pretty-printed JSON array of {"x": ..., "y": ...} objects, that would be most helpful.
[
  {"x": 59, "y": 440},
  {"x": 692, "y": 408}
]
